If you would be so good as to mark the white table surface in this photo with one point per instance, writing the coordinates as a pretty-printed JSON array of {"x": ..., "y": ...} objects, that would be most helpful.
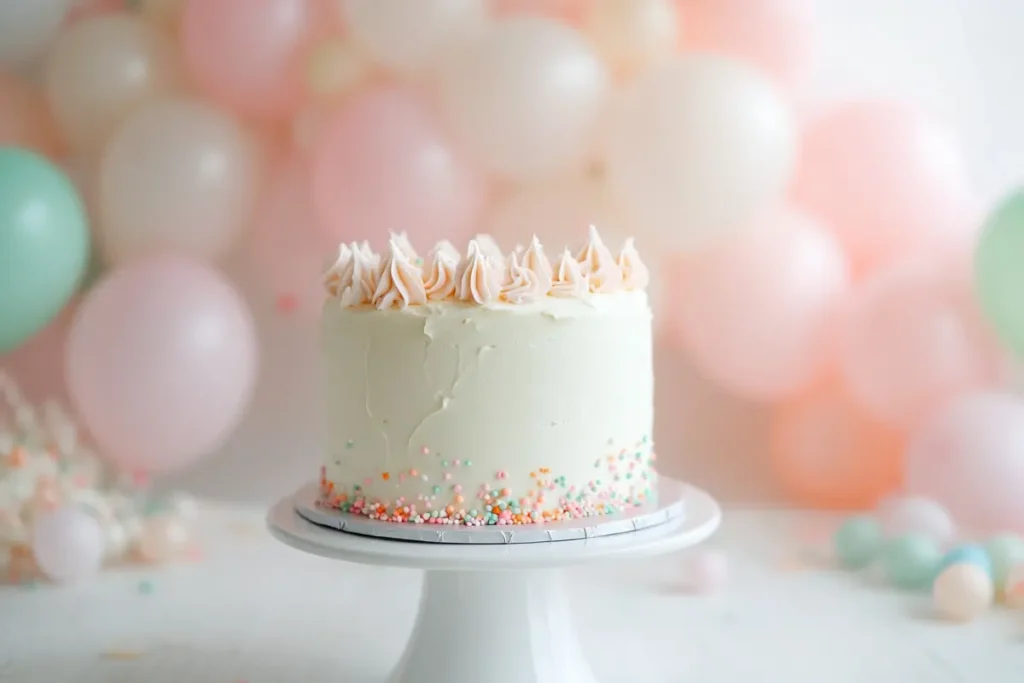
[{"x": 256, "y": 611}]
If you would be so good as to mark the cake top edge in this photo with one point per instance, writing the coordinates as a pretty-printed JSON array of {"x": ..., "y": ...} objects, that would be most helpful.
[{"x": 483, "y": 275}]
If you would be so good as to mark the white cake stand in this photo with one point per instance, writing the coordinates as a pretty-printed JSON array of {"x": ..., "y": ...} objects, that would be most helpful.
[{"x": 503, "y": 604}]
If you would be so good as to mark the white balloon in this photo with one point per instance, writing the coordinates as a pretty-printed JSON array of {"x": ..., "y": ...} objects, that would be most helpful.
[
  {"x": 697, "y": 146},
  {"x": 526, "y": 97},
  {"x": 27, "y": 27},
  {"x": 631, "y": 34},
  {"x": 410, "y": 36}
]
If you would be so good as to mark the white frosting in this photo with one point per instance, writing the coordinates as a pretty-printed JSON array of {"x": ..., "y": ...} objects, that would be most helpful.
[
  {"x": 448, "y": 249},
  {"x": 353, "y": 278},
  {"x": 603, "y": 273},
  {"x": 478, "y": 280},
  {"x": 440, "y": 283},
  {"x": 339, "y": 275},
  {"x": 522, "y": 285},
  {"x": 491, "y": 250},
  {"x": 569, "y": 280},
  {"x": 405, "y": 246},
  {"x": 535, "y": 259},
  {"x": 432, "y": 406},
  {"x": 400, "y": 282},
  {"x": 634, "y": 273}
]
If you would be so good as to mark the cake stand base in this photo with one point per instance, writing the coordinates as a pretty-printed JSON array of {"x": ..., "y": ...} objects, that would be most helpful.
[{"x": 504, "y": 605}]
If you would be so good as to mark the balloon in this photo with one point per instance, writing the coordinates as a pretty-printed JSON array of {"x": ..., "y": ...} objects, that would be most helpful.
[
  {"x": 38, "y": 364},
  {"x": 887, "y": 181},
  {"x": 25, "y": 119},
  {"x": 998, "y": 275},
  {"x": 632, "y": 34},
  {"x": 909, "y": 341},
  {"x": 335, "y": 68},
  {"x": 164, "y": 539},
  {"x": 969, "y": 456},
  {"x": 100, "y": 69},
  {"x": 164, "y": 13},
  {"x": 568, "y": 11},
  {"x": 44, "y": 244},
  {"x": 177, "y": 174},
  {"x": 244, "y": 53},
  {"x": 914, "y": 515},
  {"x": 382, "y": 164},
  {"x": 411, "y": 36},
  {"x": 27, "y": 27},
  {"x": 82, "y": 10},
  {"x": 161, "y": 362},
  {"x": 776, "y": 36},
  {"x": 696, "y": 147},
  {"x": 525, "y": 98},
  {"x": 68, "y": 544},
  {"x": 829, "y": 454},
  {"x": 283, "y": 246},
  {"x": 756, "y": 314}
]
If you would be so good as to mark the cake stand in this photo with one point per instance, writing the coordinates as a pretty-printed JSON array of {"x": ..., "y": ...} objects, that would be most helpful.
[{"x": 504, "y": 605}]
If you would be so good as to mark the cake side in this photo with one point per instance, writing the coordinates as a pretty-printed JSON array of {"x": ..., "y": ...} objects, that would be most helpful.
[{"x": 481, "y": 407}]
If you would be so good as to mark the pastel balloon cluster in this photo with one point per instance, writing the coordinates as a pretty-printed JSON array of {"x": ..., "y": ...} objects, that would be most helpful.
[
  {"x": 827, "y": 266},
  {"x": 915, "y": 544}
]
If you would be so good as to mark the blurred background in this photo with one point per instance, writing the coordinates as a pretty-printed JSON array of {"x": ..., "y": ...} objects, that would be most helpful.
[{"x": 825, "y": 190}]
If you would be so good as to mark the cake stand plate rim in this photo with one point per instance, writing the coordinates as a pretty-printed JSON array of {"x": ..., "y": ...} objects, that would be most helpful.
[{"x": 702, "y": 517}]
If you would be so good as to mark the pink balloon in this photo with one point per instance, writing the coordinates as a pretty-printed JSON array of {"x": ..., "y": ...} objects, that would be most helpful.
[
  {"x": 776, "y": 36},
  {"x": 25, "y": 119},
  {"x": 245, "y": 53},
  {"x": 755, "y": 314},
  {"x": 161, "y": 362},
  {"x": 87, "y": 9},
  {"x": 909, "y": 341},
  {"x": 283, "y": 249},
  {"x": 382, "y": 164},
  {"x": 970, "y": 457},
  {"x": 38, "y": 365},
  {"x": 887, "y": 180}
]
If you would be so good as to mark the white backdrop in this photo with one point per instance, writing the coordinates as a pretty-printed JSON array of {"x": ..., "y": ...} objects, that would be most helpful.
[{"x": 961, "y": 59}]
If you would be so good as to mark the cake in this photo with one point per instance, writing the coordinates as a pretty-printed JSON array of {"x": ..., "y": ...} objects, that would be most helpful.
[{"x": 483, "y": 388}]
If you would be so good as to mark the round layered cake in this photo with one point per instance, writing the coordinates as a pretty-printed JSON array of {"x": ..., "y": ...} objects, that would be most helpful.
[{"x": 481, "y": 388}]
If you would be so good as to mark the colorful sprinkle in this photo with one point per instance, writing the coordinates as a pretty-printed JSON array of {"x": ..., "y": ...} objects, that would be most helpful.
[
  {"x": 425, "y": 451},
  {"x": 350, "y": 444},
  {"x": 385, "y": 476}
]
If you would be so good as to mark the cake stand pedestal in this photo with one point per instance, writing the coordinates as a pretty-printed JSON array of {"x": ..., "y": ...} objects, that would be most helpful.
[{"x": 494, "y": 613}]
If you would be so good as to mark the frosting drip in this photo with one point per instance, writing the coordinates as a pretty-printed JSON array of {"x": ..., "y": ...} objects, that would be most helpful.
[
  {"x": 535, "y": 260},
  {"x": 569, "y": 280},
  {"x": 400, "y": 282},
  {"x": 522, "y": 286},
  {"x": 597, "y": 262},
  {"x": 634, "y": 273},
  {"x": 440, "y": 283},
  {"x": 477, "y": 279}
]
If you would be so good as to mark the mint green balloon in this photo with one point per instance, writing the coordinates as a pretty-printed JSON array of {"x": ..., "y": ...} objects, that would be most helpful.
[
  {"x": 999, "y": 271},
  {"x": 1006, "y": 551},
  {"x": 44, "y": 244},
  {"x": 912, "y": 561},
  {"x": 858, "y": 541}
]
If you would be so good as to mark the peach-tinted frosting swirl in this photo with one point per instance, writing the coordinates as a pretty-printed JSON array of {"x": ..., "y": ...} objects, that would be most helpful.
[
  {"x": 598, "y": 263},
  {"x": 522, "y": 285},
  {"x": 634, "y": 273},
  {"x": 400, "y": 282},
  {"x": 359, "y": 280},
  {"x": 440, "y": 282},
  {"x": 569, "y": 280},
  {"x": 535, "y": 260},
  {"x": 336, "y": 277},
  {"x": 477, "y": 279}
]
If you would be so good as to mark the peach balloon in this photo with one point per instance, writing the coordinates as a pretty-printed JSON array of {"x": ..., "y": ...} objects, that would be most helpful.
[
  {"x": 411, "y": 36},
  {"x": 696, "y": 147},
  {"x": 756, "y": 314},
  {"x": 100, "y": 69},
  {"x": 283, "y": 246},
  {"x": 826, "y": 453},
  {"x": 383, "y": 164},
  {"x": 910, "y": 340},
  {"x": 245, "y": 53},
  {"x": 886, "y": 179},
  {"x": 776, "y": 36},
  {"x": 525, "y": 98},
  {"x": 25, "y": 119},
  {"x": 177, "y": 174},
  {"x": 632, "y": 34},
  {"x": 161, "y": 362}
]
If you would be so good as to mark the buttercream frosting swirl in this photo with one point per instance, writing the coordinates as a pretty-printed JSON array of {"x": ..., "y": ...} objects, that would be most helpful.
[
  {"x": 334, "y": 278},
  {"x": 477, "y": 279},
  {"x": 491, "y": 250},
  {"x": 598, "y": 263},
  {"x": 440, "y": 282},
  {"x": 405, "y": 246},
  {"x": 569, "y": 280},
  {"x": 400, "y": 282},
  {"x": 635, "y": 274},
  {"x": 359, "y": 279},
  {"x": 522, "y": 285},
  {"x": 535, "y": 259},
  {"x": 449, "y": 250}
]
